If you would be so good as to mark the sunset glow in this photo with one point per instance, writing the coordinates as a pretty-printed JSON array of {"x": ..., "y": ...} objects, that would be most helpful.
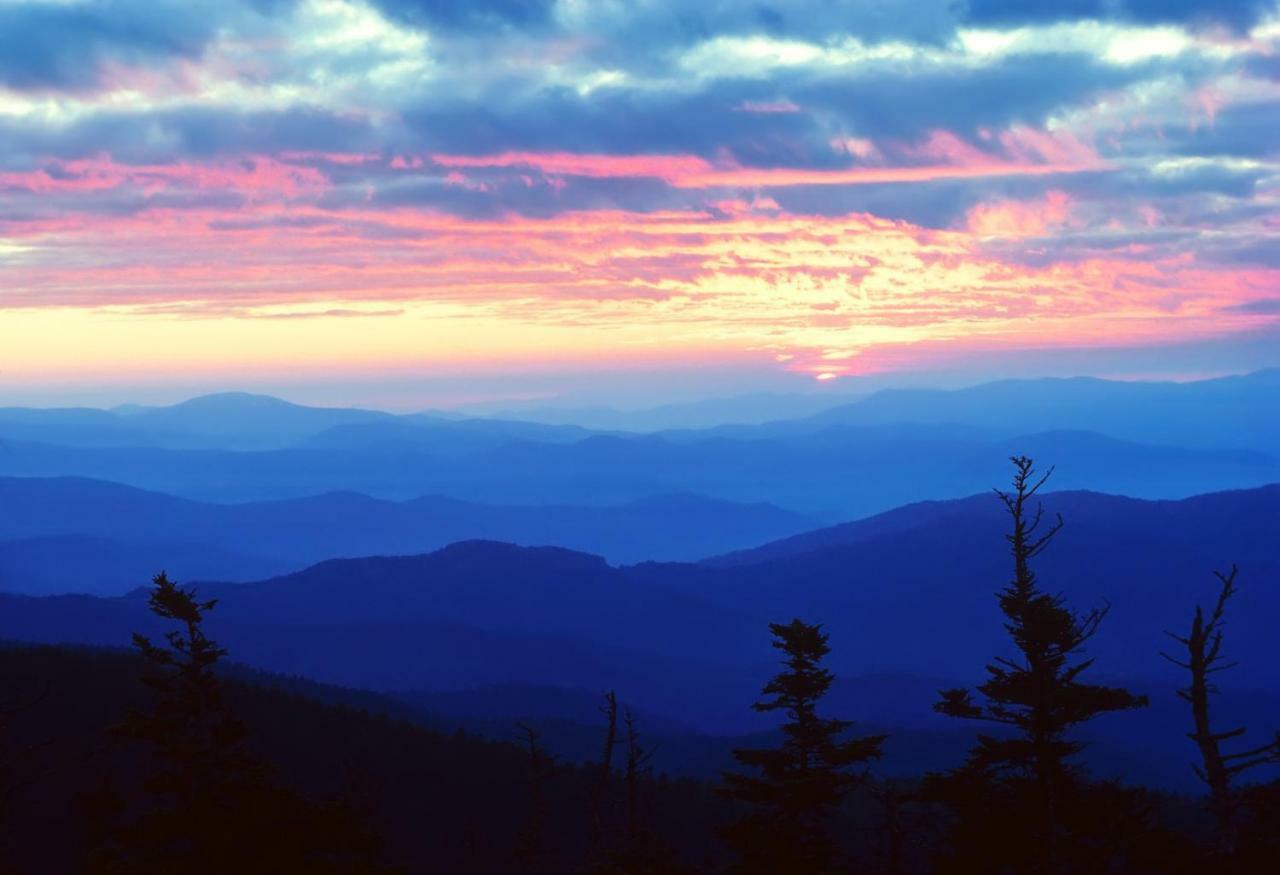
[{"x": 337, "y": 185}]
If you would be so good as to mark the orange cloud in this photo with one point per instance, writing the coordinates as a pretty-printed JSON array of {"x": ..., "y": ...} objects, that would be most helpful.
[{"x": 821, "y": 295}]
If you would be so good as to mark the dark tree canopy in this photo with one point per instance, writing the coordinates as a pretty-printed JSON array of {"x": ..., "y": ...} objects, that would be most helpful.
[
  {"x": 1037, "y": 694},
  {"x": 800, "y": 782},
  {"x": 1218, "y": 767},
  {"x": 208, "y": 804}
]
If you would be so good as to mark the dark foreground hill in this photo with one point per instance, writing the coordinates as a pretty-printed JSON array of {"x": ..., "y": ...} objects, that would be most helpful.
[{"x": 435, "y": 801}]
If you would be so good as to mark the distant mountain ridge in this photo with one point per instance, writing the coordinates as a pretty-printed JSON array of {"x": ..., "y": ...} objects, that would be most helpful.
[
  {"x": 1179, "y": 413},
  {"x": 1151, "y": 440},
  {"x": 833, "y": 474},
  {"x": 1238, "y": 411},
  {"x": 911, "y": 596},
  {"x": 120, "y": 527},
  {"x": 245, "y": 421}
]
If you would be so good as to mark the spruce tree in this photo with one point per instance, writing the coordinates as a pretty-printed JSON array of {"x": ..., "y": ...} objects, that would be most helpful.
[
  {"x": 1038, "y": 696},
  {"x": 799, "y": 783},
  {"x": 204, "y": 803}
]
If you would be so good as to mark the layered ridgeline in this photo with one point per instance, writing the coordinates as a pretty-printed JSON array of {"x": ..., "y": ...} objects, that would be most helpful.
[
  {"x": 71, "y": 534},
  {"x": 1153, "y": 440},
  {"x": 906, "y": 597}
]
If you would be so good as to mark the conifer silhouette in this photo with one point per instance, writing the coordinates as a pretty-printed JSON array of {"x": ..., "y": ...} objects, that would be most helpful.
[
  {"x": 800, "y": 782},
  {"x": 533, "y": 852},
  {"x": 1037, "y": 695},
  {"x": 1218, "y": 769},
  {"x": 602, "y": 808},
  {"x": 209, "y": 806},
  {"x": 639, "y": 831}
]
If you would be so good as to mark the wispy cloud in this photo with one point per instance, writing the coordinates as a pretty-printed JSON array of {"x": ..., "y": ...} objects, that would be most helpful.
[{"x": 831, "y": 188}]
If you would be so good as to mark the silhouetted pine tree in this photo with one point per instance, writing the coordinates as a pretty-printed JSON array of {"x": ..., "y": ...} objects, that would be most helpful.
[
  {"x": 639, "y": 849},
  {"x": 1218, "y": 769},
  {"x": 639, "y": 830},
  {"x": 602, "y": 807},
  {"x": 207, "y": 804},
  {"x": 1014, "y": 791},
  {"x": 534, "y": 853},
  {"x": 800, "y": 782}
]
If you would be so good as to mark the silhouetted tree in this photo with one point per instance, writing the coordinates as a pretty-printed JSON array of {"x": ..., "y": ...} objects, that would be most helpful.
[
  {"x": 209, "y": 805},
  {"x": 800, "y": 782},
  {"x": 637, "y": 768},
  {"x": 639, "y": 849},
  {"x": 601, "y": 798},
  {"x": 1038, "y": 695},
  {"x": 1218, "y": 769},
  {"x": 533, "y": 850}
]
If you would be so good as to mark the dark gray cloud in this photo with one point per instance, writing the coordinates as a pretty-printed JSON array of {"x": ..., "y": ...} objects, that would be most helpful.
[
  {"x": 635, "y": 31},
  {"x": 64, "y": 46},
  {"x": 495, "y": 192},
  {"x": 60, "y": 46},
  {"x": 1019, "y": 89},
  {"x": 1236, "y": 14},
  {"x": 1260, "y": 307},
  {"x": 623, "y": 122},
  {"x": 169, "y": 135},
  {"x": 469, "y": 14},
  {"x": 1244, "y": 130},
  {"x": 883, "y": 104},
  {"x": 481, "y": 109},
  {"x": 1257, "y": 252}
]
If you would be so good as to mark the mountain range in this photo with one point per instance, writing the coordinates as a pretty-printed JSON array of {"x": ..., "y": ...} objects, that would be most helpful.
[
  {"x": 486, "y": 568},
  {"x": 905, "y": 595},
  {"x": 70, "y": 534},
  {"x": 1147, "y": 440}
]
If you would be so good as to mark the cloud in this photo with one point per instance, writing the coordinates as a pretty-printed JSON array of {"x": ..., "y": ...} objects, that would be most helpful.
[
  {"x": 1258, "y": 307},
  {"x": 1239, "y": 15},
  {"x": 957, "y": 161},
  {"x": 1020, "y": 218},
  {"x": 471, "y": 14},
  {"x": 68, "y": 46},
  {"x": 842, "y": 185}
]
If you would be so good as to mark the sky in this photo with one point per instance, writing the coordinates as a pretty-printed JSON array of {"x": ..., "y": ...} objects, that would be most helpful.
[{"x": 420, "y": 202}]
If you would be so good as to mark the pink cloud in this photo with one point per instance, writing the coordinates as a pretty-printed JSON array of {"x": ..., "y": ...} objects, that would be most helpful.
[
  {"x": 1009, "y": 218},
  {"x": 348, "y": 159},
  {"x": 825, "y": 294},
  {"x": 857, "y": 146},
  {"x": 1059, "y": 147},
  {"x": 1026, "y": 153},
  {"x": 1205, "y": 103},
  {"x": 768, "y": 107},
  {"x": 688, "y": 171},
  {"x": 947, "y": 147}
]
